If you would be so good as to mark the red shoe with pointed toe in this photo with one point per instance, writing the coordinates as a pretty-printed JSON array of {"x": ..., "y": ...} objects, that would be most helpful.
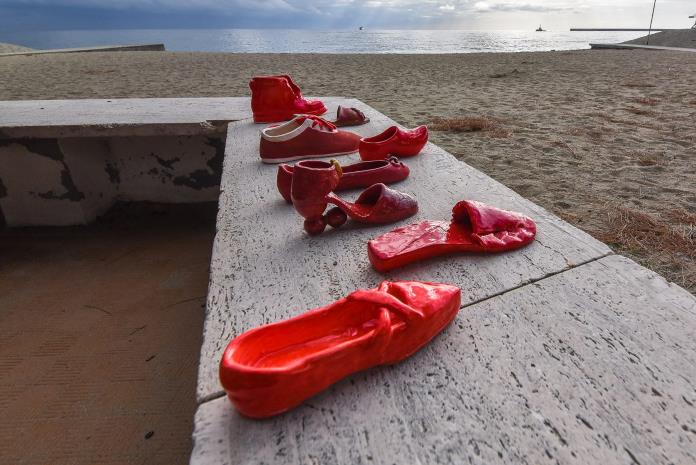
[
  {"x": 278, "y": 98},
  {"x": 273, "y": 368},
  {"x": 305, "y": 136},
  {"x": 475, "y": 227},
  {"x": 394, "y": 141},
  {"x": 377, "y": 204},
  {"x": 362, "y": 174}
]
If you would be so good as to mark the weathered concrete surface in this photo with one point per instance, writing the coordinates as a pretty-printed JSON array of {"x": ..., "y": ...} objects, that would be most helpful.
[
  {"x": 41, "y": 119},
  {"x": 104, "y": 48},
  {"x": 594, "y": 365},
  {"x": 57, "y": 182},
  {"x": 265, "y": 268}
]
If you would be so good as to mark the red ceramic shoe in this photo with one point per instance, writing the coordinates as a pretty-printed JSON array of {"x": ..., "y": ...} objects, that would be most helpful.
[
  {"x": 305, "y": 136},
  {"x": 362, "y": 174},
  {"x": 475, "y": 227},
  {"x": 311, "y": 191},
  {"x": 377, "y": 204},
  {"x": 278, "y": 98},
  {"x": 394, "y": 141},
  {"x": 273, "y": 368},
  {"x": 349, "y": 117}
]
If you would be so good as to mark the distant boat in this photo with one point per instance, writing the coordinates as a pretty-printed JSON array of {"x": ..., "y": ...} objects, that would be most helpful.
[
  {"x": 539, "y": 29},
  {"x": 361, "y": 28}
]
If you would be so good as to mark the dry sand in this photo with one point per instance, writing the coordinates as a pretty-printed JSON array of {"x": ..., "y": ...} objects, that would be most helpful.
[
  {"x": 12, "y": 48},
  {"x": 605, "y": 139}
]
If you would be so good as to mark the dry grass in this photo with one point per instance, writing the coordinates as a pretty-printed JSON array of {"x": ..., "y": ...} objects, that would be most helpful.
[
  {"x": 667, "y": 247},
  {"x": 97, "y": 72},
  {"x": 646, "y": 101},
  {"x": 639, "y": 111},
  {"x": 594, "y": 133},
  {"x": 652, "y": 160},
  {"x": 505, "y": 74},
  {"x": 635, "y": 84},
  {"x": 491, "y": 126},
  {"x": 629, "y": 122},
  {"x": 565, "y": 146}
]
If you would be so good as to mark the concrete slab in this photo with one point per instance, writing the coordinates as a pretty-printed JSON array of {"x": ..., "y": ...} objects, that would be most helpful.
[
  {"x": 41, "y": 119},
  {"x": 593, "y": 365},
  {"x": 643, "y": 47},
  {"x": 104, "y": 48},
  {"x": 265, "y": 268}
]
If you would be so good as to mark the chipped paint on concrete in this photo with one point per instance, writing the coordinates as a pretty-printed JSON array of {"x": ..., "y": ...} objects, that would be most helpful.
[{"x": 94, "y": 172}]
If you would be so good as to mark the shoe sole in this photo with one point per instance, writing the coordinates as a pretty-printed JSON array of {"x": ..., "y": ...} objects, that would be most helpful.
[{"x": 273, "y": 161}]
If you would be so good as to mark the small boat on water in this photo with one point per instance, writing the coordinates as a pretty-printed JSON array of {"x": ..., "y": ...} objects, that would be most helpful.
[
  {"x": 539, "y": 29},
  {"x": 361, "y": 28}
]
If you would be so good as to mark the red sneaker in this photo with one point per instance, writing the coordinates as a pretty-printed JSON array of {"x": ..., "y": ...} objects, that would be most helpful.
[
  {"x": 475, "y": 227},
  {"x": 394, "y": 141},
  {"x": 305, "y": 137},
  {"x": 361, "y": 174},
  {"x": 275, "y": 367},
  {"x": 278, "y": 98}
]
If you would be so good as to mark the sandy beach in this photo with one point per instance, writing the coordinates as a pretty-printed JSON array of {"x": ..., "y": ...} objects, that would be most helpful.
[{"x": 597, "y": 137}]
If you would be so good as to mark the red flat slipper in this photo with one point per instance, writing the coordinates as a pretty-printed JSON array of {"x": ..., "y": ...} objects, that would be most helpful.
[
  {"x": 361, "y": 174},
  {"x": 394, "y": 141},
  {"x": 475, "y": 227},
  {"x": 273, "y": 368},
  {"x": 377, "y": 204}
]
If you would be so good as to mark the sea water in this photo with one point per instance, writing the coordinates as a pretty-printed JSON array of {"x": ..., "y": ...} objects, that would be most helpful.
[{"x": 308, "y": 41}]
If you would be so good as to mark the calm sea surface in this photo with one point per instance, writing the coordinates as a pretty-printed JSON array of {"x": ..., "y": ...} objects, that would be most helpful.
[{"x": 298, "y": 41}]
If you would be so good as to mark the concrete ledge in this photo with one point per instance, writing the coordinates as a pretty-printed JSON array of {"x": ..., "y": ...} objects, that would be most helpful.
[
  {"x": 37, "y": 119},
  {"x": 105, "y": 48},
  {"x": 638, "y": 46}
]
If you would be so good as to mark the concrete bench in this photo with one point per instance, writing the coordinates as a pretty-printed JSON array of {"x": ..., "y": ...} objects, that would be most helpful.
[
  {"x": 65, "y": 162},
  {"x": 562, "y": 352}
]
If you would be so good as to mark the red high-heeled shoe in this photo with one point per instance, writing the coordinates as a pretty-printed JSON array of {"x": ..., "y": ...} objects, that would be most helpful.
[
  {"x": 311, "y": 192},
  {"x": 475, "y": 227},
  {"x": 394, "y": 141},
  {"x": 278, "y": 98},
  {"x": 275, "y": 367},
  {"x": 361, "y": 174}
]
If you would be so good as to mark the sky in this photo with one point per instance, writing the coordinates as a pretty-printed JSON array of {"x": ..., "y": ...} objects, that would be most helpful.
[{"x": 340, "y": 14}]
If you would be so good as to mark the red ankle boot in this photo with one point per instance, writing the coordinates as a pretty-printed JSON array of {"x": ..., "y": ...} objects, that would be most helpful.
[{"x": 278, "y": 98}]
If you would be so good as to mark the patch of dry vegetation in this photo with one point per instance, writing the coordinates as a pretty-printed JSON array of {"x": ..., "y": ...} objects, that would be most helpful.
[
  {"x": 667, "y": 247},
  {"x": 636, "y": 84},
  {"x": 491, "y": 126},
  {"x": 646, "y": 101},
  {"x": 639, "y": 111}
]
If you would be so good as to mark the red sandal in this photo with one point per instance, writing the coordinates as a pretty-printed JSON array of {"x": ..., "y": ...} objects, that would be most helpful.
[
  {"x": 273, "y": 368},
  {"x": 362, "y": 174},
  {"x": 475, "y": 227}
]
